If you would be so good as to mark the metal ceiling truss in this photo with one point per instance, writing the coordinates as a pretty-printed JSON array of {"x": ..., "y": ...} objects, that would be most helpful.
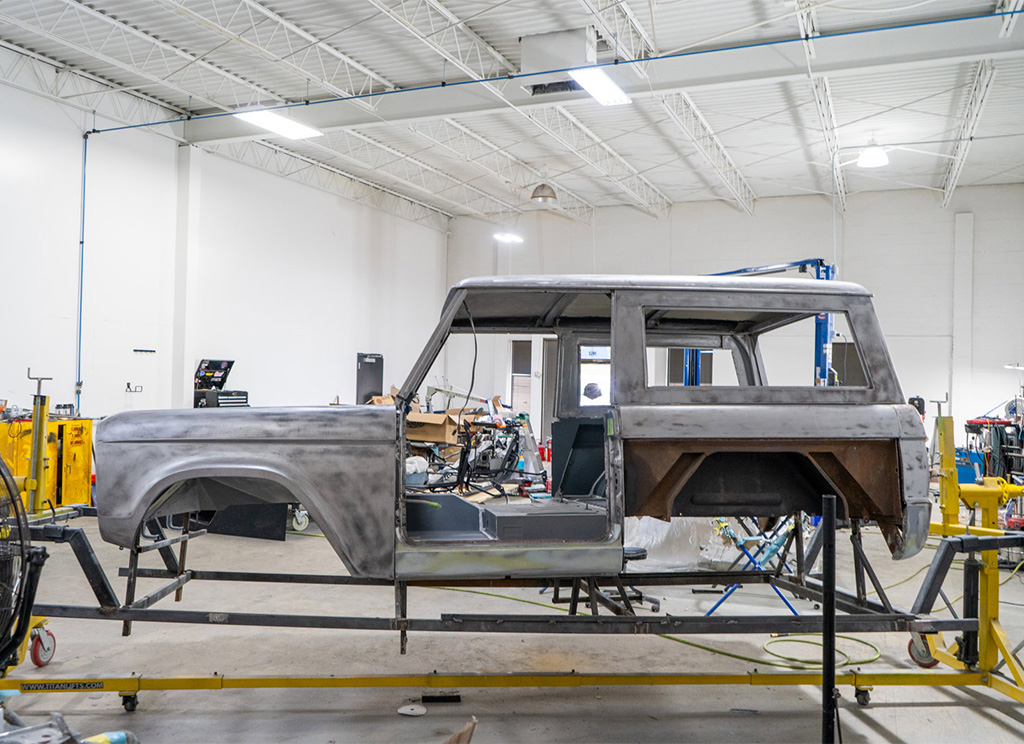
[
  {"x": 587, "y": 146},
  {"x": 368, "y": 153},
  {"x": 279, "y": 41},
  {"x": 34, "y": 73},
  {"x": 466, "y": 144},
  {"x": 155, "y": 60},
  {"x": 807, "y": 19},
  {"x": 623, "y": 31},
  {"x": 973, "y": 106},
  {"x": 449, "y": 37},
  {"x": 314, "y": 69},
  {"x": 822, "y": 92},
  {"x": 447, "y": 34},
  {"x": 685, "y": 114},
  {"x": 282, "y": 162},
  {"x": 1009, "y": 21},
  {"x": 138, "y": 53}
]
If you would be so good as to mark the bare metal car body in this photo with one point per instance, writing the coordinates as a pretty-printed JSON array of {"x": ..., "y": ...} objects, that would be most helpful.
[{"x": 742, "y": 449}]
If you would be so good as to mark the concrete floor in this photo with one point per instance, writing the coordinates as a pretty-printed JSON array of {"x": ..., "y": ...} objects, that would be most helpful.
[{"x": 595, "y": 714}]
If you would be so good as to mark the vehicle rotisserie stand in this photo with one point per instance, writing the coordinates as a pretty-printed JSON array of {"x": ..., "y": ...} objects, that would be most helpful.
[{"x": 641, "y": 313}]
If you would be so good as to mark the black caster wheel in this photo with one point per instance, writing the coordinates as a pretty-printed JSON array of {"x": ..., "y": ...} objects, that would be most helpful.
[
  {"x": 863, "y": 697},
  {"x": 655, "y": 606},
  {"x": 130, "y": 702}
]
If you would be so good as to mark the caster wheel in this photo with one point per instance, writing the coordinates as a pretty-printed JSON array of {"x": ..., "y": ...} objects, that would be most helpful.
[
  {"x": 655, "y": 606},
  {"x": 863, "y": 697},
  {"x": 130, "y": 702},
  {"x": 300, "y": 520},
  {"x": 925, "y": 660},
  {"x": 44, "y": 646}
]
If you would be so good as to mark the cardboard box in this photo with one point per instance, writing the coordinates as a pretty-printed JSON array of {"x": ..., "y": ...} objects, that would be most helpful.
[
  {"x": 389, "y": 400},
  {"x": 432, "y": 427},
  {"x": 466, "y": 414}
]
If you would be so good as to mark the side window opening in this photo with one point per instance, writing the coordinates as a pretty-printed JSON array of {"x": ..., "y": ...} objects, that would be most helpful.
[{"x": 789, "y": 345}]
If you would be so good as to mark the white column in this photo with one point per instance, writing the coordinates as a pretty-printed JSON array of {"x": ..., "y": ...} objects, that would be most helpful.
[
  {"x": 962, "y": 347},
  {"x": 186, "y": 251}
]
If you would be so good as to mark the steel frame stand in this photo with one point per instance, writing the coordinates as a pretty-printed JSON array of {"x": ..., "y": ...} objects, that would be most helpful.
[{"x": 866, "y": 616}]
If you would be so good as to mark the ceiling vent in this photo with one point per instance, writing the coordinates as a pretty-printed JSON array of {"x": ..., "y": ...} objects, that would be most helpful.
[{"x": 560, "y": 51}]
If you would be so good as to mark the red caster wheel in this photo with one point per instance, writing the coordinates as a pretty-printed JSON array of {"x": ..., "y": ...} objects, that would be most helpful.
[
  {"x": 925, "y": 660},
  {"x": 44, "y": 646}
]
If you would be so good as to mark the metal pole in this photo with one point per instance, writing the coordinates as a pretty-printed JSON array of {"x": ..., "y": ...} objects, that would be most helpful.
[
  {"x": 828, "y": 621},
  {"x": 824, "y": 326},
  {"x": 81, "y": 284},
  {"x": 40, "y": 431}
]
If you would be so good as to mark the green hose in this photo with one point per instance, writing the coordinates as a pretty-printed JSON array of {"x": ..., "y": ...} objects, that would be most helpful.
[{"x": 803, "y": 664}]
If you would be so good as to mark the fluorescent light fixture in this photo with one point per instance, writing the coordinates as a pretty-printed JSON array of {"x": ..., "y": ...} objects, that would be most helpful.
[
  {"x": 596, "y": 82},
  {"x": 872, "y": 156},
  {"x": 1018, "y": 367},
  {"x": 507, "y": 238},
  {"x": 278, "y": 124}
]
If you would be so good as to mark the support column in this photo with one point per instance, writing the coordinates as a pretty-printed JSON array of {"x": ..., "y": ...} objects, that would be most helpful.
[
  {"x": 961, "y": 362},
  {"x": 186, "y": 250}
]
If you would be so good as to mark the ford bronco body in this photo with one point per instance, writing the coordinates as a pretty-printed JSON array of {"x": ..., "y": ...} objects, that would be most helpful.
[{"x": 744, "y": 442}]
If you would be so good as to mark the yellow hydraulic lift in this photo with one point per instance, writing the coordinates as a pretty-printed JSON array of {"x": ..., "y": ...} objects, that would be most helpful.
[
  {"x": 983, "y": 500},
  {"x": 51, "y": 460}
]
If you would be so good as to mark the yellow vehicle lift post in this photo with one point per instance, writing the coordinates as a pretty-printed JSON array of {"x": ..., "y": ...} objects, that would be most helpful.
[{"x": 983, "y": 500}]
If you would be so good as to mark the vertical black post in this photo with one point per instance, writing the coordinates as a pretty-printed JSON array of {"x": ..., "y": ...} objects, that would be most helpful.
[
  {"x": 798, "y": 522},
  {"x": 968, "y": 652},
  {"x": 401, "y": 612},
  {"x": 828, "y": 621}
]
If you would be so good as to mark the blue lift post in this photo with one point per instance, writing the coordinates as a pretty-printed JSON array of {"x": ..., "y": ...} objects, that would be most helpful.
[{"x": 824, "y": 325}]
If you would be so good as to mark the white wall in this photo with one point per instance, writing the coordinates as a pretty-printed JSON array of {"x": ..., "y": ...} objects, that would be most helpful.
[
  {"x": 306, "y": 279},
  {"x": 129, "y": 233},
  {"x": 190, "y": 253},
  {"x": 901, "y": 245}
]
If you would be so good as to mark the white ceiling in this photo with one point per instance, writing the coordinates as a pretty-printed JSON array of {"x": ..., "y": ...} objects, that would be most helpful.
[{"x": 734, "y": 105}]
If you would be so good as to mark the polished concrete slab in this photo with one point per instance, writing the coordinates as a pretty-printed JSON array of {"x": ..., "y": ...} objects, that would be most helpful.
[{"x": 590, "y": 714}]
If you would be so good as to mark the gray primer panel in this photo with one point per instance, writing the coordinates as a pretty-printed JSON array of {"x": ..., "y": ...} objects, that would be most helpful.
[{"x": 339, "y": 462}]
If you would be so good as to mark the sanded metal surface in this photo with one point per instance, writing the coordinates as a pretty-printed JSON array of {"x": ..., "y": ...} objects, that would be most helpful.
[{"x": 339, "y": 462}]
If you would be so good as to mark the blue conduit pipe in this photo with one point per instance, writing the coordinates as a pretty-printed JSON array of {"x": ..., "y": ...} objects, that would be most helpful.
[
  {"x": 81, "y": 285},
  {"x": 526, "y": 75}
]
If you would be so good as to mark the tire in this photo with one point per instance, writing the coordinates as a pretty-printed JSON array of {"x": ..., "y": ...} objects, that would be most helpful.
[{"x": 44, "y": 646}]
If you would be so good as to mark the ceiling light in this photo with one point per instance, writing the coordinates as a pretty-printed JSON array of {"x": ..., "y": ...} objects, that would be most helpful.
[
  {"x": 507, "y": 238},
  {"x": 544, "y": 194},
  {"x": 596, "y": 82},
  {"x": 278, "y": 124},
  {"x": 872, "y": 156},
  {"x": 1019, "y": 367}
]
